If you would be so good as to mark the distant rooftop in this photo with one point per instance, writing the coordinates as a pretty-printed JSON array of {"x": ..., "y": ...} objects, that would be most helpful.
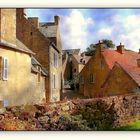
[
  {"x": 49, "y": 30},
  {"x": 71, "y": 51}
]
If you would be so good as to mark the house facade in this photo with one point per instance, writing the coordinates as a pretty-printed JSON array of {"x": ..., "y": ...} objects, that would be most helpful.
[
  {"x": 73, "y": 63},
  {"x": 18, "y": 83},
  {"x": 43, "y": 39},
  {"x": 110, "y": 72}
]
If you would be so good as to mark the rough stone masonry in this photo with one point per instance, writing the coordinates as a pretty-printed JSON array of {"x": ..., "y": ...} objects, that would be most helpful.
[{"x": 80, "y": 114}]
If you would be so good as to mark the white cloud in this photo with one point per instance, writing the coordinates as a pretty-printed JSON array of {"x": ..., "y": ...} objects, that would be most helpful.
[
  {"x": 74, "y": 30},
  {"x": 132, "y": 21},
  {"x": 105, "y": 31},
  {"x": 131, "y": 37},
  {"x": 124, "y": 29}
]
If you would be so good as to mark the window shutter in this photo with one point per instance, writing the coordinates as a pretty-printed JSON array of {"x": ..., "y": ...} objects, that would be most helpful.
[
  {"x": 1, "y": 67},
  {"x": 5, "y": 69}
]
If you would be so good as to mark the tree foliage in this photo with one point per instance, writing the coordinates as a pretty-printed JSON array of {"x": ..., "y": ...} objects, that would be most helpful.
[{"x": 91, "y": 49}]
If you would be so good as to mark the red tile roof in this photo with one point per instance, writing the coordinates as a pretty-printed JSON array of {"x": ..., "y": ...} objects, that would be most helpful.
[{"x": 127, "y": 60}]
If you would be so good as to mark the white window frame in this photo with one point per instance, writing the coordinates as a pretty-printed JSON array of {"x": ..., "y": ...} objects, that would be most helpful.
[
  {"x": 55, "y": 59},
  {"x": 5, "y": 68}
]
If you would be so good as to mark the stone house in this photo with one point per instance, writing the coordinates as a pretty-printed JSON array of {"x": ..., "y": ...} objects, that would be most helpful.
[
  {"x": 43, "y": 39},
  {"x": 21, "y": 81},
  {"x": 73, "y": 63},
  {"x": 111, "y": 72},
  {"x": 78, "y": 63}
]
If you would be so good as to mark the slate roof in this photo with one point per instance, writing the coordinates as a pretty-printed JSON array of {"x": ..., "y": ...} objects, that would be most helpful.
[
  {"x": 48, "y": 30},
  {"x": 34, "y": 63},
  {"x": 127, "y": 60},
  {"x": 71, "y": 51},
  {"x": 18, "y": 47}
]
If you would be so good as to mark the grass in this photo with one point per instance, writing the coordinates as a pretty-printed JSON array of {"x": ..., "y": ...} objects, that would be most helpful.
[{"x": 130, "y": 127}]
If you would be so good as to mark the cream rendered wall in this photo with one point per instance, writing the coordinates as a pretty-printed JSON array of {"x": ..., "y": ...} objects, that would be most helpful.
[
  {"x": 37, "y": 89},
  {"x": 19, "y": 88},
  {"x": 55, "y": 92}
]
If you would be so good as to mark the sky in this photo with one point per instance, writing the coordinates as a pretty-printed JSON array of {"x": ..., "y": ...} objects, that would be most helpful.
[{"x": 81, "y": 27}]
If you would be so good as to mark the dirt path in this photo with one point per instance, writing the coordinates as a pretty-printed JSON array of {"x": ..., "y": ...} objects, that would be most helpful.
[{"x": 71, "y": 94}]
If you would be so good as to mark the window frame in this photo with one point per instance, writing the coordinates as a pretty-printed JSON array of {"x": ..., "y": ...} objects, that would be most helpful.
[
  {"x": 92, "y": 78},
  {"x": 5, "y": 69}
]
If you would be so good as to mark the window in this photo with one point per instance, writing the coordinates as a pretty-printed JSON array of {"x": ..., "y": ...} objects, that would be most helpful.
[
  {"x": 54, "y": 81},
  {"x": 5, "y": 69},
  {"x": 39, "y": 73},
  {"x": 1, "y": 67},
  {"x": 55, "y": 60},
  {"x": 91, "y": 78}
]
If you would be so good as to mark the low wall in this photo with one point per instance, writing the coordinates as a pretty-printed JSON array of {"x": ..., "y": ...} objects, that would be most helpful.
[
  {"x": 81, "y": 114},
  {"x": 104, "y": 113}
]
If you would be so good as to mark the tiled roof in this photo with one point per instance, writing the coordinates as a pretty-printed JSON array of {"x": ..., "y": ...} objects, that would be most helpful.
[
  {"x": 127, "y": 60},
  {"x": 48, "y": 30},
  {"x": 82, "y": 60},
  {"x": 21, "y": 46},
  {"x": 34, "y": 63}
]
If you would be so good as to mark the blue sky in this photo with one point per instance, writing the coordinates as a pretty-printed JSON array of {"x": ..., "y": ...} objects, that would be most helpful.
[{"x": 81, "y": 27}]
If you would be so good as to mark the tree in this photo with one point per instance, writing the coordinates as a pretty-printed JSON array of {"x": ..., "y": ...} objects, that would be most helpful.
[
  {"x": 91, "y": 49},
  {"x": 108, "y": 43}
]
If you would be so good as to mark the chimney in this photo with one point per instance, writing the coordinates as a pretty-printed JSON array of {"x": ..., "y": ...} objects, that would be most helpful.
[
  {"x": 100, "y": 46},
  {"x": 56, "y": 20},
  {"x": 20, "y": 12},
  {"x": 139, "y": 51},
  {"x": 34, "y": 21},
  {"x": 120, "y": 48},
  {"x": 138, "y": 62}
]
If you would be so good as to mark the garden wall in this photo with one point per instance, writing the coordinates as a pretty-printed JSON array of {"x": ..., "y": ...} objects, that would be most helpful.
[
  {"x": 104, "y": 113},
  {"x": 81, "y": 114}
]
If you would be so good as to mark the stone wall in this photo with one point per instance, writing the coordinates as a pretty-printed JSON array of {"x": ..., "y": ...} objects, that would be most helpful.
[
  {"x": 81, "y": 114},
  {"x": 105, "y": 113}
]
